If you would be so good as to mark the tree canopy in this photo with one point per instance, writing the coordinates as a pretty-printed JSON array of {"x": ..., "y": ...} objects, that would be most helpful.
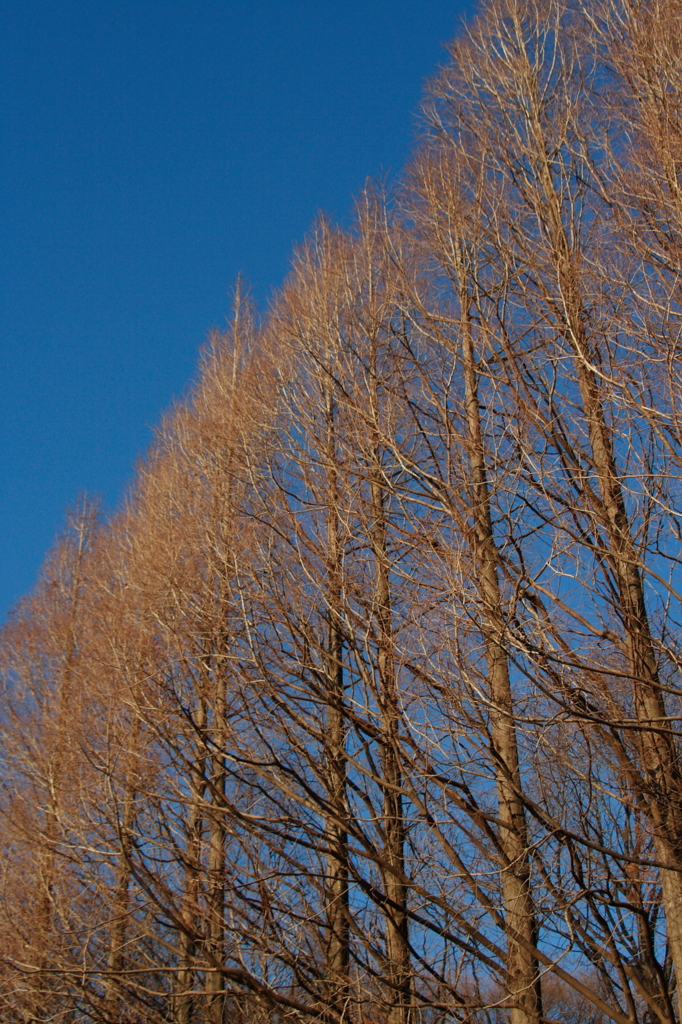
[{"x": 365, "y": 706}]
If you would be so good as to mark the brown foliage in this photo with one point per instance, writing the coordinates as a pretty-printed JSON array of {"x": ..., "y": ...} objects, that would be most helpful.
[{"x": 366, "y": 706}]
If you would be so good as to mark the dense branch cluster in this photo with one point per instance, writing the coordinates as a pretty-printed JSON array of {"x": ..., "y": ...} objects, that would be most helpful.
[{"x": 366, "y": 706}]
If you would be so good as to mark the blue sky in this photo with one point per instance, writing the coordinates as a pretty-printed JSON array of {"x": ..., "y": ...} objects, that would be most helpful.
[{"x": 151, "y": 152}]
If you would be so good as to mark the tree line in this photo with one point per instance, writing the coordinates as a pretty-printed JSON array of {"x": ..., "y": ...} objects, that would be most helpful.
[{"x": 365, "y": 707}]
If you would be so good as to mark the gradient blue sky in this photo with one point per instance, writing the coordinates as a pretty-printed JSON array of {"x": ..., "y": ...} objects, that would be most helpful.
[{"x": 151, "y": 152}]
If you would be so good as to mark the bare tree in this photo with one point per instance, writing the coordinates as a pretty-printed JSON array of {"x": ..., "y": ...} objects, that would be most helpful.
[{"x": 365, "y": 706}]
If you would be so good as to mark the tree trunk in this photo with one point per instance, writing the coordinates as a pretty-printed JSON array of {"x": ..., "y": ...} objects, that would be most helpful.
[
  {"x": 120, "y": 897},
  {"x": 523, "y": 978},
  {"x": 216, "y": 867},
  {"x": 398, "y": 959},
  {"x": 658, "y": 752},
  {"x": 184, "y": 1000},
  {"x": 338, "y": 920},
  {"x": 82, "y": 524}
]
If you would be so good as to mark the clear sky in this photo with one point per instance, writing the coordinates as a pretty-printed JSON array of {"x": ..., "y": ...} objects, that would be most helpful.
[{"x": 152, "y": 151}]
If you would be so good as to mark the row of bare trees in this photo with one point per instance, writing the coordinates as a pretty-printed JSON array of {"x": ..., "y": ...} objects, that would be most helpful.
[{"x": 366, "y": 706}]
